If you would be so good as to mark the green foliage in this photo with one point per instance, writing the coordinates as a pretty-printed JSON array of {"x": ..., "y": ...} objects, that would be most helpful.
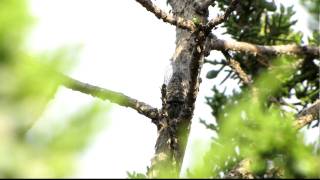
[
  {"x": 313, "y": 6},
  {"x": 28, "y": 83},
  {"x": 255, "y": 22},
  {"x": 262, "y": 133},
  {"x": 212, "y": 74},
  {"x": 315, "y": 39},
  {"x": 49, "y": 152},
  {"x": 13, "y": 19},
  {"x": 135, "y": 175},
  {"x": 250, "y": 125}
]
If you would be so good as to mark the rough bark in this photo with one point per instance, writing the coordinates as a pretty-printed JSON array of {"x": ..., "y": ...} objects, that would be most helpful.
[
  {"x": 308, "y": 115},
  {"x": 178, "y": 110}
]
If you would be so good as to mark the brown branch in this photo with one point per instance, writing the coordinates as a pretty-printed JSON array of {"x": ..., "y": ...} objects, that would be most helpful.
[
  {"x": 218, "y": 44},
  {"x": 241, "y": 171},
  {"x": 174, "y": 20},
  {"x": 112, "y": 96},
  {"x": 308, "y": 115},
  {"x": 235, "y": 66},
  {"x": 222, "y": 18}
]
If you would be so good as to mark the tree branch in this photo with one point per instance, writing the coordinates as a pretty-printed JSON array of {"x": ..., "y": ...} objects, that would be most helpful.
[
  {"x": 235, "y": 66},
  {"x": 308, "y": 115},
  {"x": 222, "y": 18},
  {"x": 159, "y": 13},
  {"x": 112, "y": 96},
  {"x": 241, "y": 171},
  {"x": 218, "y": 44}
]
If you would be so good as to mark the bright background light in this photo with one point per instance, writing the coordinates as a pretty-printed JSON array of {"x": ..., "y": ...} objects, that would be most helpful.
[{"x": 125, "y": 49}]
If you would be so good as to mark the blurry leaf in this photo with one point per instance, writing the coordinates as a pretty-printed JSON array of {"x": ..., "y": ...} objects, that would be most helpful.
[
  {"x": 212, "y": 74},
  {"x": 270, "y": 6},
  {"x": 28, "y": 83},
  {"x": 260, "y": 132},
  {"x": 135, "y": 175}
]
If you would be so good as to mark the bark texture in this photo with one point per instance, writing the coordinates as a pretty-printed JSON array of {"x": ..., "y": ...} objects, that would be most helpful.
[{"x": 174, "y": 126}]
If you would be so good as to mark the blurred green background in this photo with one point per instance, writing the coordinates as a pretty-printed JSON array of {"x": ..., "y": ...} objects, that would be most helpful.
[{"x": 26, "y": 90}]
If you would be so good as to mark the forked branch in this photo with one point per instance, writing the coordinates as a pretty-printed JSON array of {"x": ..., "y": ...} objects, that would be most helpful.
[{"x": 222, "y": 18}]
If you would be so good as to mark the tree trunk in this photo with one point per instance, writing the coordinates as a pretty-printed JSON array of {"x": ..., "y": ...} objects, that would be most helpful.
[{"x": 177, "y": 110}]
